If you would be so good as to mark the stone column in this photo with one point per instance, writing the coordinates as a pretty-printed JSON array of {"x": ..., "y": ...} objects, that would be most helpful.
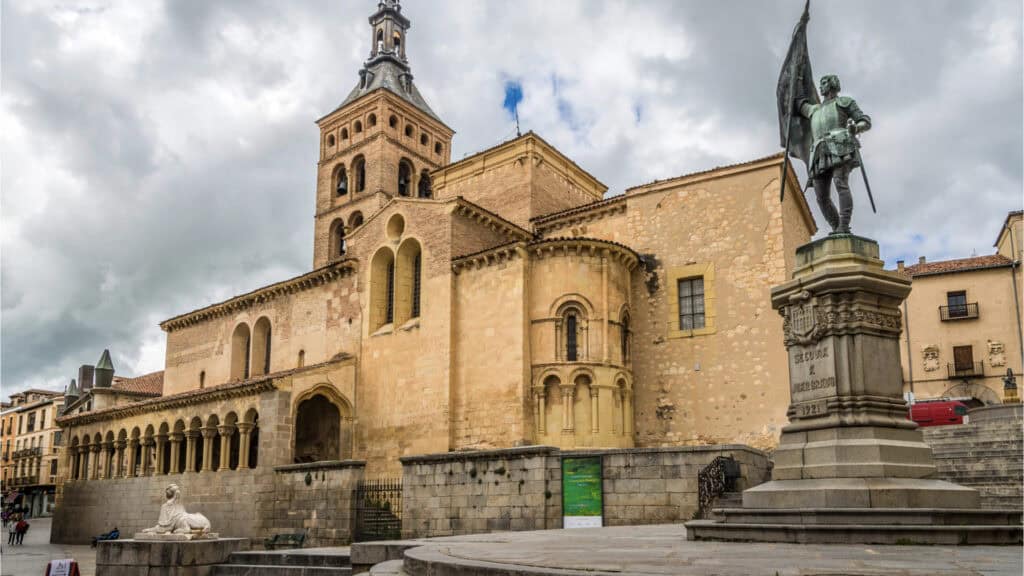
[
  {"x": 568, "y": 401},
  {"x": 244, "y": 429},
  {"x": 226, "y": 430},
  {"x": 148, "y": 448},
  {"x": 132, "y": 460},
  {"x": 595, "y": 392},
  {"x": 627, "y": 411},
  {"x": 161, "y": 447},
  {"x": 106, "y": 460},
  {"x": 176, "y": 438},
  {"x": 76, "y": 463},
  {"x": 95, "y": 465},
  {"x": 119, "y": 446},
  {"x": 191, "y": 437},
  {"x": 539, "y": 412},
  {"x": 208, "y": 434}
]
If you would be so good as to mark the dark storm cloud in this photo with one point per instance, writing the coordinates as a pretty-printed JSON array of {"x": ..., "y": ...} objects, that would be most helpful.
[{"x": 160, "y": 156}]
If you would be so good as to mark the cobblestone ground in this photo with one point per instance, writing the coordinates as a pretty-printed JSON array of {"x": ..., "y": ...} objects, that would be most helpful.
[{"x": 31, "y": 557}]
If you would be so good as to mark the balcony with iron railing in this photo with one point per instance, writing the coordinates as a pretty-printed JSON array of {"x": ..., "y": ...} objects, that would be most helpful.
[
  {"x": 25, "y": 481},
  {"x": 958, "y": 312},
  {"x": 972, "y": 370},
  {"x": 27, "y": 453}
]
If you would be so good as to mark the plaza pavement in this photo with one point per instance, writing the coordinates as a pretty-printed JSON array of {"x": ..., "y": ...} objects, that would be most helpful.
[
  {"x": 31, "y": 557},
  {"x": 663, "y": 550}
]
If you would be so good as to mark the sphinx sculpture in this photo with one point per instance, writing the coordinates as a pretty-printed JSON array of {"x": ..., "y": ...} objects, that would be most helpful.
[{"x": 175, "y": 523}]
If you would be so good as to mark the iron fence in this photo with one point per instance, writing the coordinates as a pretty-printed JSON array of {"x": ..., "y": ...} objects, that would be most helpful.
[
  {"x": 378, "y": 510},
  {"x": 715, "y": 479},
  {"x": 972, "y": 370}
]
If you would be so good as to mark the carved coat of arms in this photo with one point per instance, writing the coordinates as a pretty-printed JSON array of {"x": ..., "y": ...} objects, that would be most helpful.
[{"x": 802, "y": 323}]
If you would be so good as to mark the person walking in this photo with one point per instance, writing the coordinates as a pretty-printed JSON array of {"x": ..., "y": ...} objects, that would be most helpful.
[
  {"x": 12, "y": 532},
  {"x": 22, "y": 527}
]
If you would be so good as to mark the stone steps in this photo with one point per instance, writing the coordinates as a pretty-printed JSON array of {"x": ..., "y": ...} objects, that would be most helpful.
[
  {"x": 389, "y": 568},
  {"x": 853, "y": 533},
  {"x": 301, "y": 562}
]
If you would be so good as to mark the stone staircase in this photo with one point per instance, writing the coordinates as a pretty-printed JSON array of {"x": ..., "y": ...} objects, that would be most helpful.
[
  {"x": 302, "y": 562},
  {"x": 726, "y": 500},
  {"x": 985, "y": 455}
]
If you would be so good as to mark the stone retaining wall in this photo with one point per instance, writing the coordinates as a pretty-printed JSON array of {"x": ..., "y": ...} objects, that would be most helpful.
[
  {"x": 520, "y": 489},
  {"x": 322, "y": 508},
  {"x": 252, "y": 503}
]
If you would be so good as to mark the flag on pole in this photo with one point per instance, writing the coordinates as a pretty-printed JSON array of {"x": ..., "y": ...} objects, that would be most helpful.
[{"x": 796, "y": 82}]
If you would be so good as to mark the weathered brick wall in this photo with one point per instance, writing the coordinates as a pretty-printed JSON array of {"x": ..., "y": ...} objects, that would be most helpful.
[
  {"x": 520, "y": 488},
  {"x": 322, "y": 508}
]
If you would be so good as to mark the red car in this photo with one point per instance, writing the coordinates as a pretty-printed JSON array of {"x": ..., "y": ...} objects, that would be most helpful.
[{"x": 938, "y": 413}]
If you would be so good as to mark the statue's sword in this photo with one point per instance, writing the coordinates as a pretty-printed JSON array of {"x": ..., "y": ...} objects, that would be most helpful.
[{"x": 864, "y": 173}]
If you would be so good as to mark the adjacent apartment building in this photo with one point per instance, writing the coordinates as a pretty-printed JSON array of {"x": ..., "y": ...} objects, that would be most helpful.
[
  {"x": 31, "y": 441},
  {"x": 962, "y": 322}
]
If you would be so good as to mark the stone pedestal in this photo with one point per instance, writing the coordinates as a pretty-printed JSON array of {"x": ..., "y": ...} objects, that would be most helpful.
[
  {"x": 165, "y": 557},
  {"x": 849, "y": 445}
]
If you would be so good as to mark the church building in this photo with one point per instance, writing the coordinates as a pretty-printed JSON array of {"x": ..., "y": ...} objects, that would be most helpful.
[{"x": 505, "y": 299}]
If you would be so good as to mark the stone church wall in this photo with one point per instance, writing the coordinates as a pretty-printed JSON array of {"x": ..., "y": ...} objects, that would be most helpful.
[
  {"x": 491, "y": 363},
  {"x": 520, "y": 488}
]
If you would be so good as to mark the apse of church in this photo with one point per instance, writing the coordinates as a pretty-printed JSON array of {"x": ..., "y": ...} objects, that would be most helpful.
[{"x": 501, "y": 300}]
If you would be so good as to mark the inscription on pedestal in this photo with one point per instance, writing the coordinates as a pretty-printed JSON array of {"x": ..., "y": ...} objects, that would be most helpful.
[{"x": 812, "y": 376}]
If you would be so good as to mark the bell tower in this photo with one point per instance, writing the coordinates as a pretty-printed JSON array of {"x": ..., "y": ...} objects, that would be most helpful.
[{"x": 382, "y": 141}]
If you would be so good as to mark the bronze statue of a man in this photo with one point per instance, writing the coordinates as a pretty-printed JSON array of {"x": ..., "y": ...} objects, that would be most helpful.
[{"x": 835, "y": 123}]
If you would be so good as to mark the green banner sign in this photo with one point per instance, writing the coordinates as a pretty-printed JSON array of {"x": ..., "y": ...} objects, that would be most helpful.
[{"x": 582, "y": 492}]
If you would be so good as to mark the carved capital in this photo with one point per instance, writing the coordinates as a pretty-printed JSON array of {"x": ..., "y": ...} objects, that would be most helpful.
[
  {"x": 208, "y": 431},
  {"x": 226, "y": 429}
]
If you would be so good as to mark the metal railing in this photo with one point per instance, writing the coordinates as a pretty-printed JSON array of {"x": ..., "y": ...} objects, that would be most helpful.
[
  {"x": 25, "y": 481},
  {"x": 715, "y": 479},
  {"x": 27, "y": 453},
  {"x": 958, "y": 312},
  {"x": 378, "y": 510},
  {"x": 973, "y": 370}
]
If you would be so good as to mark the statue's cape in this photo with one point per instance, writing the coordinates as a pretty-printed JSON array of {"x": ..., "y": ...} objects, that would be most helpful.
[{"x": 796, "y": 84}]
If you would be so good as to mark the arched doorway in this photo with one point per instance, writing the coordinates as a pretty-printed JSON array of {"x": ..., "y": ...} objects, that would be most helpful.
[{"x": 317, "y": 430}]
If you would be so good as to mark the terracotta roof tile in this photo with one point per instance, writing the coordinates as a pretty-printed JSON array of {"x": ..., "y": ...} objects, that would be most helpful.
[
  {"x": 958, "y": 265},
  {"x": 152, "y": 383}
]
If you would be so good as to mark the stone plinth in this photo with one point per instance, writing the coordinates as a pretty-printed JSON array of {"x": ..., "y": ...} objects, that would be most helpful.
[
  {"x": 164, "y": 557},
  {"x": 849, "y": 447}
]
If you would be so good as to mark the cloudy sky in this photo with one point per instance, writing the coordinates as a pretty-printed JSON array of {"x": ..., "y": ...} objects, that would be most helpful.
[{"x": 158, "y": 156}]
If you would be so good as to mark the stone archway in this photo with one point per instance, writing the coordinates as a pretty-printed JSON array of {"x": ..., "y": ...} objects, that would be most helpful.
[
  {"x": 322, "y": 428},
  {"x": 980, "y": 394}
]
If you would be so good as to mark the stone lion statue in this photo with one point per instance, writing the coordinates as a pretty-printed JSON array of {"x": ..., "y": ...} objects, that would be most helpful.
[{"x": 174, "y": 520}]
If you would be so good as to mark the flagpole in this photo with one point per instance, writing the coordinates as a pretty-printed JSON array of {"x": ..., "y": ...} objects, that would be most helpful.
[{"x": 789, "y": 124}]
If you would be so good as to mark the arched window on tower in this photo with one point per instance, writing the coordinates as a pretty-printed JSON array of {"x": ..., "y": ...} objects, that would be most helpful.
[
  {"x": 261, "y": 345},
  {"x": 338, "y": 246},
  {"x": 397, "y": 43},
  {"x": 426, "y": 188},
  {"x": 240, "y": 341},
  {"x": 382, "y": 288},
  {"x": 341, "y": 181},
  {"x": 359, "y": 170},
  {"x": 380, "y": 41},
  {"x": 408, "y": 281},
  {"x": 355, "y": 221},
  {"x": 404, "y": 177},
  {"x": 571, "y": 332}
]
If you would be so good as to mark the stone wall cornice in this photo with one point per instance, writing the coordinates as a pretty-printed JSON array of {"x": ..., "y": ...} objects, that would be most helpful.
[
  {"x": 323, "y": 465},
  {"x": 489, "y": 257},
  {"x": 585, "y": 246},
  {"x": 191, "y": 398},
  {"x": 520, "y": 452},
  {"x": 309, "y": 280}
]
